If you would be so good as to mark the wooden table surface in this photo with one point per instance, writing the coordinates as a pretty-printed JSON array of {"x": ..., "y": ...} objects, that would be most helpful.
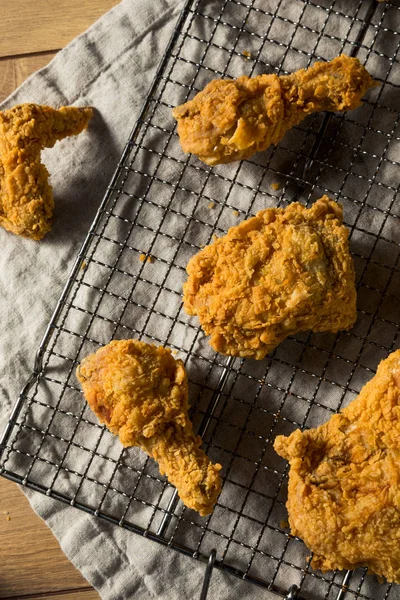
[{"x": 32, "y": 565}]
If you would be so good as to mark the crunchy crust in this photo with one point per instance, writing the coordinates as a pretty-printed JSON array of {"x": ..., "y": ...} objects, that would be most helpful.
[
  {"x": 344, "y": 492},
  {"x": 276, "y": 274},
  {"x": 26, "y": 198},
  {"x": 232, "y": 119},
  {"x": 141, "y": 393}
]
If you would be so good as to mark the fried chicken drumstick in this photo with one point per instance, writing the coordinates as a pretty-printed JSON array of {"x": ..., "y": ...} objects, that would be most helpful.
[
  {"x": 232, "y": 119},
  {"x": 276, "y": 274},
  {"x": 344, "y": 481},
  {"x": 26, "y": 198},
  {"x": 141, "y": 393}
]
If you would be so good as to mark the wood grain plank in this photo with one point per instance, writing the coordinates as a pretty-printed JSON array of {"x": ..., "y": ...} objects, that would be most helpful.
[
  {"x": 13, "y": 71},
  {"x": 31, "y": 560},
  {"x": 28, "y": 26}
]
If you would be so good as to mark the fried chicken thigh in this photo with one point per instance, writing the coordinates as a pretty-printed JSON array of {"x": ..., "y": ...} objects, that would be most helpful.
[
  {"x": 26, "y": 198},
  {"x": 276, "y": 274},
  {"x": 232, "y": 119},
  {"x": 344, "y": 482},
  {"x": 141, "y": 393}
]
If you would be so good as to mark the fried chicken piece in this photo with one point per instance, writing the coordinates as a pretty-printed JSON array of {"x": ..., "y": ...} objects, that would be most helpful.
[
  {"x": 278, "y": 273},
  {"x": 26, "y": 198},
  {"x": 141, "y": 393},
  {"x": 232, "y": 119},
  {"x": 344, "y": 482}
]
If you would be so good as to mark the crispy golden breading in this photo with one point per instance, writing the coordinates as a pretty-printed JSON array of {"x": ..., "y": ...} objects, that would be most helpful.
[
  {"x": 278, "y": 273},
  {"x": 232, "y": 119},
  {"x": 344, "y": 482},
  {"x": 141, "y": 393},
  {"x": 26, "y": 198}
]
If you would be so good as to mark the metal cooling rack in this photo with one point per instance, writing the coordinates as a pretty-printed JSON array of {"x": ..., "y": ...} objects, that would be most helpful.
[{"x": 162, "y": 206}]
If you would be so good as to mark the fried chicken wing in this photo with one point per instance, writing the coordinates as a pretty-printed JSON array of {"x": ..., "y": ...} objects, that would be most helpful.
[
  {"x": 232, "y": 119},
  {"x": 344, "y": 482},
  {"x": 26, "y": 198},
  {"x": 276, "y": 274},
  {"x": 141, "y": 393}
]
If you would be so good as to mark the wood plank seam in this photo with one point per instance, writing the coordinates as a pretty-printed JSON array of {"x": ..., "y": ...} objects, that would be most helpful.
[
  {"x": 58, "y": 594},
  {"x": 28, "y": 54}
]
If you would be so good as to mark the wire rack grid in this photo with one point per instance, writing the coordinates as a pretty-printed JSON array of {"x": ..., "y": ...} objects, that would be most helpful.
[{"x": 160, "y": 209}]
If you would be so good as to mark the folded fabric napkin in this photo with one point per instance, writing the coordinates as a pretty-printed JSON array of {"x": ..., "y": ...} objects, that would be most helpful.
[{"x": 110, "y": 67}]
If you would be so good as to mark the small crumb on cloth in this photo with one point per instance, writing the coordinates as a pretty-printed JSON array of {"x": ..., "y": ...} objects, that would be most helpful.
[{"x": 145, "y": 258}]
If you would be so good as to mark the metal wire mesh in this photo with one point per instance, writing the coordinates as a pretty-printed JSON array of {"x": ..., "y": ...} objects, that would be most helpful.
[{"x": 161, "y": 208}]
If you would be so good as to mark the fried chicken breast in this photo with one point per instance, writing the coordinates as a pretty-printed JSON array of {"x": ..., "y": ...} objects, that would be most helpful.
[
  {"x": 232, "y": 119},
  {"x": 344, "y": 482},
  {"x": 26, "y": 198},
  {"x": 276, "y": 274},
  {"x": 141, "y": 393}
]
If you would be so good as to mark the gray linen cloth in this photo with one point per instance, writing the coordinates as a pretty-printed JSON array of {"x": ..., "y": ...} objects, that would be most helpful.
[{"x": 109, "y": 67}]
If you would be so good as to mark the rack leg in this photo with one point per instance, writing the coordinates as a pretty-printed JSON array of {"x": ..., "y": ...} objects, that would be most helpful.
[
  {"x": 292, "y": 593},
  {"x": 167, "y": 517},
  {"x": 346, "y": 581},
  {"x": 207, "y": 574}
]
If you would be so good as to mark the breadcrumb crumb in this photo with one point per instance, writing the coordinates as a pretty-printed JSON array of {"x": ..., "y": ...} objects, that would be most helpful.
[
  {"x": 284, "y": 524},
  {"x": 236, "y": 213},
  {"x": 211, "y": 205},
  {"x": 275, "y": 186},
  {"x": 246, "y": 53},
  {"x": 144, "y": 258}
]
